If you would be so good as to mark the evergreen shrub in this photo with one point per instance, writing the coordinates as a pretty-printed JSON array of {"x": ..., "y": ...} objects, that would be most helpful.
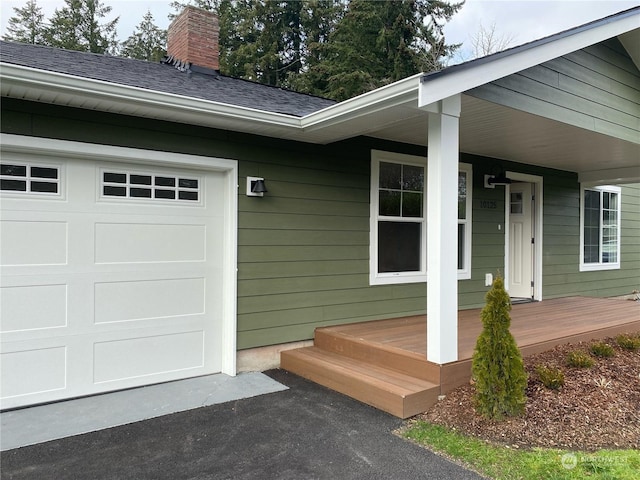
[
  {"x": 602, "y": 349},
  {"x": 579, "y": 359},
  {"x": 497, "y": 366},
  {"x": 629, "y": 342},
  {"x": 551, "y": 377}
]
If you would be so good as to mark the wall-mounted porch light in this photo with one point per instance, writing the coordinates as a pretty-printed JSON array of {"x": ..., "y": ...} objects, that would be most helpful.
[
  {"x": 497, "y": 178},
  {"x": 256, "y": 187}
]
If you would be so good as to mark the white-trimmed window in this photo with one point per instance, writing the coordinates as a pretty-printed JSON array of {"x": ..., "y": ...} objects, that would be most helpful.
[
  {"x": 599, "y": 228},
  {"x": 398, "y": 223},
  {"x": 31, "y": 179}
]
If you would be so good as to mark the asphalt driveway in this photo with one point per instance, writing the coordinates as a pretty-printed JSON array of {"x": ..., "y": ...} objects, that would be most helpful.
[{"x": 306, "y": 432}]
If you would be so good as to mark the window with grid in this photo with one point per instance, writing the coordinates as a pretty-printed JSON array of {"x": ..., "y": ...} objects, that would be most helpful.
[
  {"x": 600, "y": 228},
  {"x": 23, "y": 178},
  {"x": 399, "y": 223}
]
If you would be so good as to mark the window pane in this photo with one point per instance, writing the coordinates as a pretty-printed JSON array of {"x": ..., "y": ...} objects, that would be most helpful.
[
  {"x": 591, "y": 232},
  {"x": 115, "y": 191},
  {"x": 399, "y": 247},
  {"x": 461, "y": 260},
  {"x": 389, "y": 203},
  {"x": 516, "y": 203},
  {"x": 140, "y": 192},
  {"x": 170, "y": 194},
  {"x": 411, "y": 204},
  {"x": 140, "y": 179},
  {"x": 13, "y": 185},
  {"x": 115, "y": 177},
  {"x": 44, "y": 187},
  {"x": 44, "y": 172},
  {"x": 188, "y": 183},
  {"x": 166, "y": 181},
  {"x": 13, "y": 170},
  {"x": 390, "y": 175},
  {"x": 186, "y": 195},
  {"x": 462, "y": 195},
  {"x": 412, "y": 178}
]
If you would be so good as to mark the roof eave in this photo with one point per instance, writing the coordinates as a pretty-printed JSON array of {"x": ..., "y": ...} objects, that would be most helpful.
[
  {"x": 461, "y": 78},
  {"x": 63, "y": 89}
]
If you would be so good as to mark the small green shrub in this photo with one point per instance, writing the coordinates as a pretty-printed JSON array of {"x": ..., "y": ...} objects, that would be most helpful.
[
  {"x": 602, "y": 349},
  {"x": 497, "y": 366},
  {"x": 579, "y": 359},
  {"x": 629, "y": 342},
  {"x": 551, "y": 377}
]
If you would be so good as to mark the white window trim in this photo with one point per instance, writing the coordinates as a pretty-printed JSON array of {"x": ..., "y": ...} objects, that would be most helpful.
[
  {"x": 376, "y": 278},
  {"x": 590, "y": 267},
  {"x": 465, "y": 273},
  {"x": 18, "y": 159}
]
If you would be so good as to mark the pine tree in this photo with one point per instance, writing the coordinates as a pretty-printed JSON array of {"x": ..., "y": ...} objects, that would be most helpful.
[
  {"x": 148, "y": 42},
  {"x": 27, "y": 26},
  {"x": 377, "y": 43},
  {"x": 76, "y": 27},
  {"x": 497, "y": 366}
]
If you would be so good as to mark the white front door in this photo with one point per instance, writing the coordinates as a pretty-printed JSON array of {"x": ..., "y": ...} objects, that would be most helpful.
[{"x": 521, "y": 240}]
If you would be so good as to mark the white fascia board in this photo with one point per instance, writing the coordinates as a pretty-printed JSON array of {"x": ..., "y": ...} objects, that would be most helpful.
[
  {"x": 445, "y": 84},
  {"x": 397, "y": 93},
  {"x": 27, "y": 77}
]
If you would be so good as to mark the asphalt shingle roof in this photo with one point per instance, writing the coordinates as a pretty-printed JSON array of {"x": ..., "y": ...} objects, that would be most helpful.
[{"x": 162, "y": 78}]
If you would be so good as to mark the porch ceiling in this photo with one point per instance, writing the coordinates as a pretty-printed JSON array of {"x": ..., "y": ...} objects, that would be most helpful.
[{"x": 492, "y": 130}]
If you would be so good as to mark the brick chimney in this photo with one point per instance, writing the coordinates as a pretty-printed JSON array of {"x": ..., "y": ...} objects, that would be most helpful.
[{"x": 193, "y": 37}]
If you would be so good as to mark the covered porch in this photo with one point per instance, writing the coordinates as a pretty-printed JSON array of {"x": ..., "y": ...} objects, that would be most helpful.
[{"x": 384, "y": 363}]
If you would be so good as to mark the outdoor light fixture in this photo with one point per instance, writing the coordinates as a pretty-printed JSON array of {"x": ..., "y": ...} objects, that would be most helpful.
[
  {"x": 498, "y": 178},
  {"x": 256, "y": 187}
]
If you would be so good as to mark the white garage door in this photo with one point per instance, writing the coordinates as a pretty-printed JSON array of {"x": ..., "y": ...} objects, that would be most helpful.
[{"x": 112, "y": 276}]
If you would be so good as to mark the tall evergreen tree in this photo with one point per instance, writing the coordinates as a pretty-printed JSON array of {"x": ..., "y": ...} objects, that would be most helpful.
[
  {"x": 27, "y": 25},
  {"x": 77, "y": 26},
  {"x": 377, "y": 43},
  {"x": 334, "y": 48},
  {"x": 148, "y": 42}
]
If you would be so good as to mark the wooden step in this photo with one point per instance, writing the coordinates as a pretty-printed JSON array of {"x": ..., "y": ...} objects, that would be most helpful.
[
  {"x": 378, "y": 354},
  {"x": 396, "y": 393}
]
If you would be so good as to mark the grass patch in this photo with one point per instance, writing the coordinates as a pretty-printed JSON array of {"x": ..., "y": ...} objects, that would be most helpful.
[{"x": 502, "y": 463}]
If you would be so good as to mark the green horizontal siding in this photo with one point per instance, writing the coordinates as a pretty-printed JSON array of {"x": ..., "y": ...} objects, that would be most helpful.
[
  {"x": 303, "y": 249},
  {"x": 597, "y": 88}
]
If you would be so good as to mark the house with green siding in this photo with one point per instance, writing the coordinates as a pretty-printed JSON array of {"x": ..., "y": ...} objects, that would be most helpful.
[{"x": 163, "y": 221}]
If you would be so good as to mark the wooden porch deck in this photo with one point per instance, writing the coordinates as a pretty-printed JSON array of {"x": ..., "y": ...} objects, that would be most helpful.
[{"x": 383, "y": 363}]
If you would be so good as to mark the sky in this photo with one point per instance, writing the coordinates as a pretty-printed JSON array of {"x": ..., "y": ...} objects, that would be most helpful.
[{"x": 522, "y": 21}]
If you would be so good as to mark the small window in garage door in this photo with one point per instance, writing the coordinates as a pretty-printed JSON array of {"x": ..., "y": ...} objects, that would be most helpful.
[
  {"x": 24, "y": 178},
  {"x": 118, "y": 184}
]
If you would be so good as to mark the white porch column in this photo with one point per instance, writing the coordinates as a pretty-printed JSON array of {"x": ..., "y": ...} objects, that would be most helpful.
[{"x": 442, "y": 230}]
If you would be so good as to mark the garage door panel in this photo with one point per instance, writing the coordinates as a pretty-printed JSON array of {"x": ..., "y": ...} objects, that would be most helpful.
[
  {"x": 149, "y": 299},
  {"x": 117, "y": 360},
  {"x": 36, "y": 371},
  {"x": 33, "y": 307},
  {"x": 136, "y": 243},
  {"x": 33, "y": 243}
]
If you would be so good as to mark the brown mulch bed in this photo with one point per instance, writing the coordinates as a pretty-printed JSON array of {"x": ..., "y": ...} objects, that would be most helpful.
[{"x": 598, "y": 407}]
